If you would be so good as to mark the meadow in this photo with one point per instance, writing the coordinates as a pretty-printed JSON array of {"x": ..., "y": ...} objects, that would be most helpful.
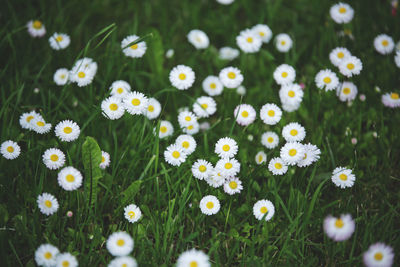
[{"x": 361, "y": 135}]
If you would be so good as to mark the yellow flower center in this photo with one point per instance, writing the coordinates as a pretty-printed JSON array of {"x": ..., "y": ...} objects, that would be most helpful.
[
  {"x": 293, "y": 132},
  {"x": 40, "y": 123},
  {"x": 193, "y": 264},
  {"x": 394, "y": 96},
  {"x": 245, "y": 114},
  {"x": 188, "y": 118},
  {"x": 204, "y": 105},
  {"x": 81, "y": 74},
  {"x": 339, "y": 223},
  {"x": 327, "y": 80},
  {"x": 210, "y": 205},
  {"x": 233, "y": 185},
  {"x": 350, "y": 66},
  {"x": 202, "y": 168},
  {"x": 124, "y": 265},
  {"x": 270, "y": 139},
  {"x": 163, "y": 129},
  {"x": 292, "y": 152},
  {"x": 182, "y": 76},
  {"x": 260, "y": 158},
  {"x": 120, "y": 90},
  {"x": 378, "y": 256},
  {"x": 120, "y": 242},
  {"x": 70, "y": 178},
  {"x": 263, "y": 210},
  {"x": 65, "y": 264},
  {"x": 231, "y": 75},
  {"x": 150, "y": 108},
  {"x": 113, "y": 107},
  {"x": 291, "y": 93},
  {"x": 226, "y": 148},
  {"x": 131, "y": 214},
  {"x": 261, "y": 34},
  {"x": 213, "y": 85},
  {"x": 29, "y": 118},
  {"x": 67, "y": 130},
  {"x": 176, "y": 154},
  {"x": 284, "y": 74},
  {"x": 228, "y": 165},
  {"x": 135, "y": 102},
  {"x": 103, "y": 159},
  {"x": 190, "y": 127},
  {"x": 54, "y": 157},
  {"x": 37, "y": 24},
  {"x": 59, "y": 38},
  {"x": 343, "y": 177},
  {"x": 385, "y": 43},
  {"x": 346, "y": 91},
  {"x": 249, "y": 39},
  {"x": 342, "y": 10},
  {"x": 185, "y": 144},
  {"x": 283, "y": 42},
  {"x": 48, "y": 203},
  {"x": 134, "y": 47},
  {"x": 278, "y": 166},
  {"x": 62, "y": 76},
  {"x": 340, "y": 55},
  {"x": 48, "y": 255},
  {"x": 271, "y": 113},
  {"x": 10, "y": 149}
]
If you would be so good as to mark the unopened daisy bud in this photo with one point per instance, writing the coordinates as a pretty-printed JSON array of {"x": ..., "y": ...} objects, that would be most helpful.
[
  {"x": 169, "y": 53},
  {"x": 363, "y": 97},
  {"x": 36, "y": 90},
  {"x": 70, "y": 214},
  {"x": 354, "y": 141}
]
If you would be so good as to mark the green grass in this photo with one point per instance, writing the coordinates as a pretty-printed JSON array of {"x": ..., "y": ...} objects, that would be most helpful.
[{"x": 169, "y": 196}]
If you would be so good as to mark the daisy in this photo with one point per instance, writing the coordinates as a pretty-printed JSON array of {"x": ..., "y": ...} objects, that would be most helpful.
[
  {"x": 153, "y": 109},
  {"x": 263, "y": 32},
  {"x": 244, "y": 114},
  {"x": 187, "y": 143},
  {"x": 133, "y": 50},
  {"x": 209, "y": 205},
  {"x": 25, "y": 120},
  {"x": 193, "y": 258},
  {"x": 204, "y": 106},
  {"x": 291, "y": 95},
  {"x": 292, "y": 152},
  {"x": 59, "y": 41},
  {"x": 270, "y": 140},
  {"x": 67, "y": 130},
  {"x": 105, "y": 160},
  {"x": 311, "y": 155},
  {"x": 186, "y": 118},
  {"x": 233, "y": 186},
  {"x": 338, "y": 54},
  {"x": 120, "y": 88},
  {"x": 201, "y": 169},
  {"x": 378, "y": 255},
  {"x": 112, "y": 108},
  {"x": 119, "y": 244},
  {"x": 263, "y": 209},
  {"x": 182, "y": 77},
  {"x": 283, "y": 42},
  {"x": 47, "y": 203},
  {"x": 66, "y": 259},
  {"x": 36, "y": 28},
  {"x": 293, "y": 132},
  {"x": 397, "y": 59},
  {"x": 343, "y": 177},
  {"x": 69, "y": 178},
  {"x": 261, "y": 157},
  {"x": 270, "y": 114},
  {"x": 85, "y": 64},
  {"x": 82, "y": 76},
  {"x": 277, "y": 166},
  {"x": 230, "y": 77},
  {"x": 384, "y": 44},
  {"x": 341, "y": 13},
  {"x": 61, "y": 76},
  {"x": 198, "y": 39},
  {"x": 339, "y": 229},
  {"x": 132, "y": 213},
  {"x": 212, "y": 86},
  {"x": 53, "y": 158},
  {"x": 326, "y": 79},
  {"x": 284, "y": 74},
  {"x": 350, "y": 66},
  {"x": 241, "y": 90},
  {"x": 192, "y": 129},
  {"x": 125, "y": 261},
  {"x": 10, "y": 149},
  {"x": 174, "y": 155},
  {"x": 347, "y": 91},
  {"x": 45, "y": 255},
  {"x": 215, "y": 179},
  {"x": 391, "y": 100},
  {"x": 228, "y": 167},
  {"x": 166, "y": 129},
  {"x": 135, "y": 103},
  {"x": 40, "y": 126},
  {"x": 226, "y": 147},
  {"x": 249, "y": 41},
  {"x": 228, "y": 53}
]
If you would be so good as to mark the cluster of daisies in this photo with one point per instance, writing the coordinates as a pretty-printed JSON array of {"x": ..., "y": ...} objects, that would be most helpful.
[
  {"x": 82, "y": 73},
  {"x": 58, "y": 41}
]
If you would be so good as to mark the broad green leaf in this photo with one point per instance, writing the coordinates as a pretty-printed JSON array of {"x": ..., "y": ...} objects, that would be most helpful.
[{"x": 131, "y": 191}]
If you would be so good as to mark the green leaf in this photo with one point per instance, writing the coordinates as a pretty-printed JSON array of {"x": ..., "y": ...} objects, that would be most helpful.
[
  {"x": 155, "y": 55},
  {"x": 131, "y": 191}
]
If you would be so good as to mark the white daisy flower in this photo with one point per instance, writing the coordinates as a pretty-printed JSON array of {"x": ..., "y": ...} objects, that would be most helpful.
[
  {"x": 350, "y": 66},
  {"x": 230, "y": 77},
  {"x": 241, "y": 90},
  {"x": 36, "y": 28},
  {"x": 187, "y": 143},
  {"x": 338, "y": 54},
  {"x": 341, "y": 13},
  {"x": 201, "y": 169},
  {"x": 124, "y": 261},
  {"x": 193, "y": 258},
  {"x": 326, "y": 79},
  {"x": 66, "y": 260},
  {"x": 283, "y": 42},
  {"x": 135, "y": 50},
  {"x": 263, "y": 209},
  {"x": 45, "y": 255},
  {"x": 40, "y": 126},
  {"x": 105, "y": 160},
  {"x": 166, "y": 129},
  {"x": 263, "y": 32},
  {"x": 228, "y": 53},
  {"x": 132, "y": 213},
  {"x": 248, "y": 41},
  {"x": 47, "y": 204},
  {"x": 343, "y": 177},
  {"x": 215, "y": 179},
  {"x": 10, "y": 149},
  {"x": 67, "y": 130},
  {"x": 59, "y": 41},
  {"x": 270, "y": 114},
  {"x": 112, "y": 108},
  {"x": 284, "y": 74},
  {"x": 378, "y": 255},
  {"x": 174, "y": 155},
  {"x": 69, "y": 178},
  {"x": 233, "y": 186},
  {"x": 119, "y": 244},
  {"x": 120, "y": 88},
  {"x": 226, "y": 147},
  {"x": 186, "y": 118},
  {"x": 85, "y": 64},
  {"x": 391, "y": 100},
  {"x": 397, "y": 59},
  {"x": 209, "y": 205},
  {"x": 212, "y": 86},
  {"x": 192, "y": 129},
  {"x": 204, "y": 106},
  {"x": 225, "y": 2},
  {"x": 228, "y": 167},
  {"x": 347, "y": 91},
  {"x": 339, "y": 229},
  {"x": 82, "y": 76},
  {"x": 291, "y": 95},
  {"x": 135, "y": 103},
  {"x": 277, "y": 166},
  {"x": 292, "y": 153},
  {"x": 261, "y": 157},
  {"x": 384, "y": 44},
  {"x": 182, "y": 77},
  {"x": 244, "y": 114},
  {"x": 270, "y": 140},
  {"x": 53, "y": 158},
  {"x": 293, "y": 132},
  {"x": 153, "y": 109},
  {"x": 25, "y": 120},
  {"x": 61, "y": 76},
  {"x": 198, "y": 39},
  {"x": 311, "y": 155}
]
